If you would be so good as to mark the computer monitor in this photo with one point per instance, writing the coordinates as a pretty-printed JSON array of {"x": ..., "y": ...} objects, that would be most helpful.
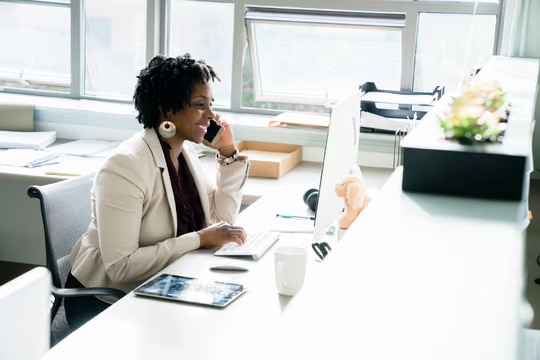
[
  {"x": 25, "y": 315},
  {"x": 340, "y": 156}
]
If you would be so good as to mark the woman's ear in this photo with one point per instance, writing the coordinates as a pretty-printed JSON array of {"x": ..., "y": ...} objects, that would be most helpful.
[{"x": 165, "y": 114}]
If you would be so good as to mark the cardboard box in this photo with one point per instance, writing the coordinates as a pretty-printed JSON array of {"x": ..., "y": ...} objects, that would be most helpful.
[{"x": 270, "y": 160}]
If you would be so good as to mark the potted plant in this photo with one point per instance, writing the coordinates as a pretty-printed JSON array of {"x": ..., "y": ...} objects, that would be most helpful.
[{"x": 478, "y": 115}]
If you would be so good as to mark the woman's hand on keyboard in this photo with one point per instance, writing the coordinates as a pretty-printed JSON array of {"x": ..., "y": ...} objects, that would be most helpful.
[{"x": 219, "y": 234}]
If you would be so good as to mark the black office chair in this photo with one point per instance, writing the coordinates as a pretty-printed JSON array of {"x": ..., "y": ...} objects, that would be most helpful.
[
  {"x": 66, "y": 214},
  {"x": 537, "y": 280}
]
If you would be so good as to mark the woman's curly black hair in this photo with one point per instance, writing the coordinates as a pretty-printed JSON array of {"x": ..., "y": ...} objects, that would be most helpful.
[{"x": 166, "y": 84}]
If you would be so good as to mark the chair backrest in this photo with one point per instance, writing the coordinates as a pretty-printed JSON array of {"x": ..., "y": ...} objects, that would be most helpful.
[
  {"x": 66, "y": 214},
  {"x": 24, "y": 315}
]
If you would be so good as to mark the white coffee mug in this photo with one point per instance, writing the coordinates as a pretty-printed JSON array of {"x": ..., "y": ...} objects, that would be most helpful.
[{"x": 290, "y": 269}]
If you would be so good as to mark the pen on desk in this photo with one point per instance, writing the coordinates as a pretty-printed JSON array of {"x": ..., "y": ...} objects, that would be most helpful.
[
  {"x": 43, "y": 164},
  {"x": 295, "y": 217},
  {"x": 61, "y": 173}
]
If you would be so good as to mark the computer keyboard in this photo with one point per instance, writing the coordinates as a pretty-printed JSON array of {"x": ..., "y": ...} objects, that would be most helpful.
[{"x": 256, "y": 245}]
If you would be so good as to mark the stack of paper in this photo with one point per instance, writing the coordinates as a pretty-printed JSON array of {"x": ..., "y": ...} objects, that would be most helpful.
[
  {"x": 83, "y": 147},
  {"x": 25, "y": 157},
  {"x": 37, "y": 140},
  {"x": 293, "y": 118}
]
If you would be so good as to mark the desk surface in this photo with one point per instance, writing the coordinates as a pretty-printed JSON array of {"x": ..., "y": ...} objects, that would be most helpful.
[{"x": 416, "y": 277}]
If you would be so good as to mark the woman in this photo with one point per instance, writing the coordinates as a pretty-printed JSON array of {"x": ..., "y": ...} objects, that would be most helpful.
[{"x": 151, "y": 200}]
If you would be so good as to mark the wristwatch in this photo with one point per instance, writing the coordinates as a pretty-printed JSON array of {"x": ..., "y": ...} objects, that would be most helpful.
[{"x": 222, "y": 160}]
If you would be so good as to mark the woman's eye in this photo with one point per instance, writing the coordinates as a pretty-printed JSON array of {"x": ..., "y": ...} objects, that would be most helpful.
[{"x": 199, "y": 105}]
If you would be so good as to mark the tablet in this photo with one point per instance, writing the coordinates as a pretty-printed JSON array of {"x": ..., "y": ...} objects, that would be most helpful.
[{"x": 191, "y": 290}]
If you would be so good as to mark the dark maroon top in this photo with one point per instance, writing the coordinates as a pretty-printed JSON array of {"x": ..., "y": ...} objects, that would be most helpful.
[{"x": 189, "y": 212}]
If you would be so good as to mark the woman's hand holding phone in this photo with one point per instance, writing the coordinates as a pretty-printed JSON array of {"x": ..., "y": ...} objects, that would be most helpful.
[
  {"x": 213, "y": 133},
  {"x": 219, "y": 136}
]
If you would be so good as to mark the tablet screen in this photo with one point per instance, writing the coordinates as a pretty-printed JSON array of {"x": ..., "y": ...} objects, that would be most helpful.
[{"x": 187, "y": 289}]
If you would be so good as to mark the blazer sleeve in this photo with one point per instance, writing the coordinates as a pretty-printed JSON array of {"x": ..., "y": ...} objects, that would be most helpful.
[{"x": 226, "y": 197}]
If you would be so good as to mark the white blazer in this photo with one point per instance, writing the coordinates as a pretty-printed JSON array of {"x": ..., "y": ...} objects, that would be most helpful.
[{"x": 132, "y": 234}]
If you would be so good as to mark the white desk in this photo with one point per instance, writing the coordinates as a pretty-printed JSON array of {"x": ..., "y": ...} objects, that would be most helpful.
[{"x": 415, "y": 278}]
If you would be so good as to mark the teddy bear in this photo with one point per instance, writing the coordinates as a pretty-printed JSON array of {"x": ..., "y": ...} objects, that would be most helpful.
[{"x": 355, "y": 198}]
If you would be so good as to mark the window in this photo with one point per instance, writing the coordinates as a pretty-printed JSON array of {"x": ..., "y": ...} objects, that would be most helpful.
[
  {"x": 115, "y": 47},
  {"x": 446, "y": 57},
  {"x": 35, "y": 41},
  {"x": 321, "y": 56},
  {"x": 205, "y": 30},
  {"x": 270, "y": 54},
  {"x": 315, "y": 57}
]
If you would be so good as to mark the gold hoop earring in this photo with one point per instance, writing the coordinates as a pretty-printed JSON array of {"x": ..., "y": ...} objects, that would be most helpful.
[{"x": 167, "y": 129}]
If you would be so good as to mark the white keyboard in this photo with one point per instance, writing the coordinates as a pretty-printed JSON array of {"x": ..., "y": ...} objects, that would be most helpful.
[{"x": 256, "y": 245}]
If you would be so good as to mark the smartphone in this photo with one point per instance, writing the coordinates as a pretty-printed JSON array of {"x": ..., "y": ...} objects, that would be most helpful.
[{"x": 213, "y": 133}]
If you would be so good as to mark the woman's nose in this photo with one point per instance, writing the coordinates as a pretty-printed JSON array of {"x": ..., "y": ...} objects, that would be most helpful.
[{"x": 209, "y": 113}]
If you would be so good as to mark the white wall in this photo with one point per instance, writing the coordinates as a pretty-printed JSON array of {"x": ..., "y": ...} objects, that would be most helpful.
[{"x": 532, "y": 50}]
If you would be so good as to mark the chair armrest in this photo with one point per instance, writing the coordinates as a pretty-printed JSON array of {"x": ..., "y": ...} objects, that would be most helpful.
[{"x": 87, "y": 292}]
